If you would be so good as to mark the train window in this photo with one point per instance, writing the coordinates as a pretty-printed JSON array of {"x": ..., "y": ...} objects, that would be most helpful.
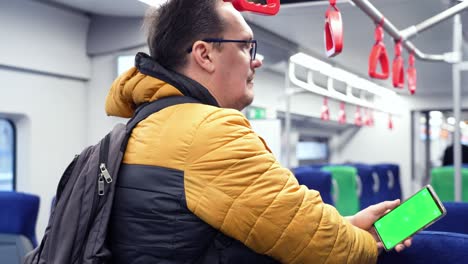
[
  {"x": 124, "y": 63},
  {"x": 433, "y": 138},
  {"x": 7, "y": 155},
  {"x": 312, "y": 151}
]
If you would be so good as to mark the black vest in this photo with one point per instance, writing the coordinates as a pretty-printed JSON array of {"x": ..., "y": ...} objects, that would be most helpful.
[{"x": 150, "y": 223}]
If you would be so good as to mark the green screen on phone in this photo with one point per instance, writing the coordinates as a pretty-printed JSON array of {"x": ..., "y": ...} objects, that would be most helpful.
[{"x": 409, "y": 217}]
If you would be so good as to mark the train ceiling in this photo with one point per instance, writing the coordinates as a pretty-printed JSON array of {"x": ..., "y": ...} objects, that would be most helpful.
[{"x": 302, "y": 22}]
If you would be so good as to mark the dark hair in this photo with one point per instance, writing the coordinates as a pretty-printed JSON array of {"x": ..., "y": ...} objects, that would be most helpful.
[{"x": 176, "y": 25}]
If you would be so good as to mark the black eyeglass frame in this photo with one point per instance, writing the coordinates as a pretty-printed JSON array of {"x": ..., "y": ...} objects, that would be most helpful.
[{"x": 253, "y": 50}]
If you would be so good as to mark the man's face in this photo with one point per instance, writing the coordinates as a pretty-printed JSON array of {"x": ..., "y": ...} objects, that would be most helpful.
[{"x": 235, "y": 69}]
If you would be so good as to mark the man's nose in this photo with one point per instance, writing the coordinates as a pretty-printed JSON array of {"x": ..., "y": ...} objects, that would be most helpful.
[{"x": 256, "y": 63}]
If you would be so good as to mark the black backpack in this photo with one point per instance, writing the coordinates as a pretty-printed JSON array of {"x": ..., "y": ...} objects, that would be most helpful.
[{"x": 77, "y": 228}]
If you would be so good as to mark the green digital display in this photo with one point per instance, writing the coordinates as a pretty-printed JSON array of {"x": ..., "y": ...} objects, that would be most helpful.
[{"x": 408, "y": 218}]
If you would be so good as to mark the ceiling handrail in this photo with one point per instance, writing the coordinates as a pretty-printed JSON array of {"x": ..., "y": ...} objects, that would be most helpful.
[{"x": 449, "y": 57}]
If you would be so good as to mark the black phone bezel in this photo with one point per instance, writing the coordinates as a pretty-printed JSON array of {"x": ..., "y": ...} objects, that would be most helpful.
[{"x": 437, "y": 201}]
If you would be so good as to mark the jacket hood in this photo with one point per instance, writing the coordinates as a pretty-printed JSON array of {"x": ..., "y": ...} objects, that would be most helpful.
[{"x": 148, "y": 81}]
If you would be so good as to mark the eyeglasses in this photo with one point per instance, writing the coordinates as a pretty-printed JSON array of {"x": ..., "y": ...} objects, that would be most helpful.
[{"x": 251, "y": 42}]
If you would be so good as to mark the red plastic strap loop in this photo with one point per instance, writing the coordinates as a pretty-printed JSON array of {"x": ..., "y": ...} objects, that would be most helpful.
[
  {"x": 412, "y": 75},
  {"x": 271, "y": 7},
  {"x": 379, "y": 33},
  {"x": 371, "y": 118},
  {"x": 342, "y": 114},
  {"x": 358, "y": 117},
  {"x": 325, "y": 113},
  {"x": 398, "y": 68},
  {"x": 333, "y": 33},
  {"x": 378, "y": 55},
  {"x": 411, "y": 60},
  {"x": 390, "y": 122},
  {"x": 366, "y": 120}
]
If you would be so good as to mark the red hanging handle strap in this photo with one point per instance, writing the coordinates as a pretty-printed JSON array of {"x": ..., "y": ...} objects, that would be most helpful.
[
  {"x": 398, "y": 70},
  {"x": 358, "y": 117},
  {"x": 412, "y": 76},
  {"x": 371, "y": 118},
  {"x": 333, "y": 33},
  {"x": 325, "y": 113},
  {"x": 271, "y": 7},
  {"x": 390, "y": 122},
  {"x": 378, "y": 55},
  {"x": 342, "y": 114}
]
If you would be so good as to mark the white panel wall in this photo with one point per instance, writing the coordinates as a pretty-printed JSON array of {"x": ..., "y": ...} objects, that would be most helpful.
[
  {"x": 43, "y": 38},
  {"x": 270, "y": 93},
  {"x": 104, "y": 71},
  {"x": 38, "y": 43},
  {"x": 50, "y": 117},
  {"x": 270, "y": 131}
]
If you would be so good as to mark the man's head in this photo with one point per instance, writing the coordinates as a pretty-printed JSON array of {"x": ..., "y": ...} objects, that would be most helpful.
[{"x": 226, "y": 69}]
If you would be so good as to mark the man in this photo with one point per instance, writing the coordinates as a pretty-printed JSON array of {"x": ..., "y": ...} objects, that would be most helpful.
[
  {"x": 197, "y": 185},
  {"x": 447, "y": 158}
]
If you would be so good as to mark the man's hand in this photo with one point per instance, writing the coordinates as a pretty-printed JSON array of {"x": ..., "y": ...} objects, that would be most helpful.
[{"x": 365, "y": 218}]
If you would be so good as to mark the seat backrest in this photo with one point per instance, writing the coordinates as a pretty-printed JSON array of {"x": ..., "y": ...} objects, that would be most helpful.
[
  {"x": 384, "y": 190},
  {"x": 368, "y": 189},
  {"x": 454, "y": 220},
  {"x": 442, "y": 179},
  {"x": 393, "y": 179},
  {"x": 316, "y": 179},
  {"x": 431, "y": 247},
  {"x": 346, "y": 201},
  {"x": 13, "y": 248},
  {"x": 18, "y": 214}
]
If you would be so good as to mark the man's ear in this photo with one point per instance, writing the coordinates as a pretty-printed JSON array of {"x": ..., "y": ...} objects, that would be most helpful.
[{"x": 202, "y": 53}]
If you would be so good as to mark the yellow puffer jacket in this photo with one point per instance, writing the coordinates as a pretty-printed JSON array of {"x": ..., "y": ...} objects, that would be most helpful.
[{"x": 232, "y": 181}]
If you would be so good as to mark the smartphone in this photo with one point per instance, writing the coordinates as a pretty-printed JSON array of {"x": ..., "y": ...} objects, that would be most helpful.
[{"x": 413, "y": 215}]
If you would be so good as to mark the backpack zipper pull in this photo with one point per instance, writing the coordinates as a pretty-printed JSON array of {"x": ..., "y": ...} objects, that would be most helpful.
[
  {"x": 100, "y": 185},
  {"x": 105, "y": 173}
]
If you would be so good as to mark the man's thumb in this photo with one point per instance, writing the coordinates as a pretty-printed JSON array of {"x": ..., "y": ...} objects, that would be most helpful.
[{"x": 386, "y": 206}]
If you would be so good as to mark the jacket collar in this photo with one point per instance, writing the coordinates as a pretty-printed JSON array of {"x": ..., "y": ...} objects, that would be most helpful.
[{"x": 187, "y": 86}]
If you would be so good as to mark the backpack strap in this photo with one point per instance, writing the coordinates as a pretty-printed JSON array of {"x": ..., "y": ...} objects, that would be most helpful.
[{"x": 147, "y": 109}]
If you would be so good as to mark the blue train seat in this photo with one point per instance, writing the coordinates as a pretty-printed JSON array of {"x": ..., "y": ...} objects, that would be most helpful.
[
  {"x": 454, "y": 221},
  {"x": 317, "y": 180},
  {"x": 389, "y": 181},
  {"x": 431, "y": 247},
  {"x": 13, "y": 248},
  {"x": 18, "y": 214},
  {"x": 369, "y": 185},
  {"x": 393, "y": 172}
]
